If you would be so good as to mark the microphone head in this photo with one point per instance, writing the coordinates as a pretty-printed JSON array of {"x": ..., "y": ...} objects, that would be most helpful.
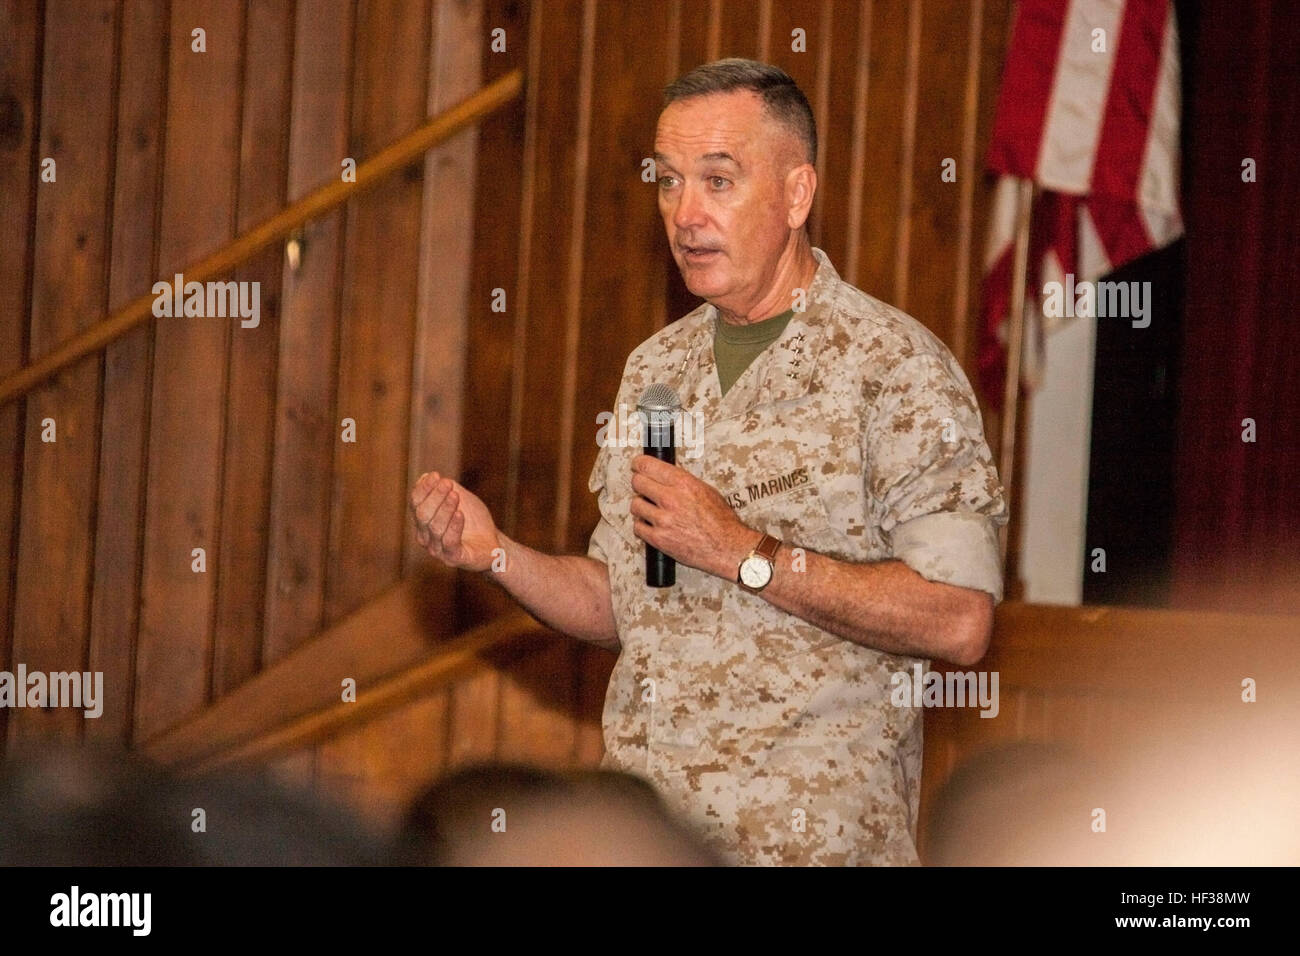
[
  {"x": 658, "y": 407},
  {"x": 659, "y": 398}
]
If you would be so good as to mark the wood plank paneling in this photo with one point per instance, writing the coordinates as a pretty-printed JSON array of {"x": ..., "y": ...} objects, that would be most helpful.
[
  {"x": 141, "y": 94},
  {"x": 693, "y": 19},
  {"x": 935, "y": 210},
  {"x": 189, "y": 377},
  {"x": 489, "y": 466},
  {"x": 250, "y": 414},
  {"x": 474, "y": 719},
  {"x": 405, "y": 751},
  {"x": 390, "y": 634},
  {"x": 20, "y": 58},
  {"x": 446, "y": 246},
  {"x": 537, "y": 707},
  {"x": 886, "y": 105},
  {"x": 841, "y": 133},
  {"x": 368, "y": 515},
  {"x": 55, "y": 558},
  {"x": 306, "y": 427},
  {"x": 738, "y": 29},
  {"x": 543, "y": 305}
]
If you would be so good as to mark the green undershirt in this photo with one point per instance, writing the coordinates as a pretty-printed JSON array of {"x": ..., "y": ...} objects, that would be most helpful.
[{"x": 736, "y": 346}]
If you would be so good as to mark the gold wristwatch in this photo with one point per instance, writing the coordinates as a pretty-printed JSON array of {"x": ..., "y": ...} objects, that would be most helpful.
[{"x": 755, "y": 571}]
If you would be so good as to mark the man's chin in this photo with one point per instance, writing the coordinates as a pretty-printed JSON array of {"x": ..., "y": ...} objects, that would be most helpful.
[{"x": 702, "y": 282}]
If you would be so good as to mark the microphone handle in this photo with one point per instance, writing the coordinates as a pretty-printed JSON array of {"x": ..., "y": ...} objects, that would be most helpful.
[{"x": 660, "y": 569}]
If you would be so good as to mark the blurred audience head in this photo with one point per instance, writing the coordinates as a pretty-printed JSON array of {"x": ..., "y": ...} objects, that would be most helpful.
[
  {"x": 89, "y": 806},
  {"x": 513, "y": 815},
  {"x": 1020, "y": 804}
]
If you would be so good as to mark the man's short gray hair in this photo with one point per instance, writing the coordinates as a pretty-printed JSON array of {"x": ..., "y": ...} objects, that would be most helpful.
[{"x": 781, "y": 96}]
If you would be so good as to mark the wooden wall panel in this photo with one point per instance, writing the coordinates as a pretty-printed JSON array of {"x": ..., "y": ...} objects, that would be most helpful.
[
  {"x": 693, "y": 19},
  {"x": 935, "y": 211},
  {"x": 736, "y": 24},
  {"x": 474, "y": 718},
  {"x": 547, "y": 305},
  {"x": 200, "y": 173},
  {"x": 20, "y": 58},
  {"x": 51, "y": 603},
  {"x": 841, "y": 162},
  {"x": 885, "y": 155},
  {"x": 382, "y": 765},
  {"x": 489, "y": 465},
  {"x": 250, "y": 411},
  {"x": 538, "y": 702},
  {"x": 124, "y": 428},
  {"x": 406, "y": 750},
  {"x": 446, "y": 247},
  {"x": 369, "y": 513},
  {"x": 306, "y": 427}
]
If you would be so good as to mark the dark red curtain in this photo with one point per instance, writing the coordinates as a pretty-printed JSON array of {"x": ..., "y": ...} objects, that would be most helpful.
[{"x": 1237, "y": 503}]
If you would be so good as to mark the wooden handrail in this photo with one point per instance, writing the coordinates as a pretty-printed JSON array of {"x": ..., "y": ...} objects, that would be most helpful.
[
  {"x": 388, "y": 160},
  {"x": 440, "y": 668},
  {"x": 383, "y": 637}
]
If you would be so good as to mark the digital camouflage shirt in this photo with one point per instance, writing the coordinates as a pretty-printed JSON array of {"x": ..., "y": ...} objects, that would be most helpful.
[{"x": 856, "y": 435}]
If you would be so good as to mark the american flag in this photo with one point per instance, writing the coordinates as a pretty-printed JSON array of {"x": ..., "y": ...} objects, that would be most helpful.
[{"x": 1089, "y": 110}]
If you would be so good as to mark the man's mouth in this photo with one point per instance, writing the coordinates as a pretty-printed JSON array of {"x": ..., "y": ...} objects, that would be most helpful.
[{"x": 700, "y": 254}]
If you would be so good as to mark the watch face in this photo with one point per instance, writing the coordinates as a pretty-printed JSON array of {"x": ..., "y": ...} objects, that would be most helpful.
[{"x": 755, "y": 571}]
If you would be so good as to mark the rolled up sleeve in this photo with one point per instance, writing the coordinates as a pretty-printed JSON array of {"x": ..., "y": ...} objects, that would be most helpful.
[
  {"x": 932, "y": 479},
  {"x": 598, "y": 546},
  {"x": 600, "y": 543}
]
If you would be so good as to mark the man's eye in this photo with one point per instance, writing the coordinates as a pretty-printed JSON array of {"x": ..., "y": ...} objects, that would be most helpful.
[
  {"x": 718, "y": 182},
  {"x": 666, "y": 182}
]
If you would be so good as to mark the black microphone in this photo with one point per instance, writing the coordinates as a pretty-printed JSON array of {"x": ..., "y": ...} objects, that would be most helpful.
[{"x": 657, "y": 408}]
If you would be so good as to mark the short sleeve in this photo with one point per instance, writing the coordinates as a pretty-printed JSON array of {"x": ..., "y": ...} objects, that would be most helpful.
[{"x": 931, "y": 476}]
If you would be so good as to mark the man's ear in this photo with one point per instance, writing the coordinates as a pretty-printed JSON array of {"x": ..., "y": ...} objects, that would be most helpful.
[{"x": 800, "y": 188}]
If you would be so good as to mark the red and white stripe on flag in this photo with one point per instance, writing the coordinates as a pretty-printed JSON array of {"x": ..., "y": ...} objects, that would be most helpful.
[{"x": 1089, "y": 110}]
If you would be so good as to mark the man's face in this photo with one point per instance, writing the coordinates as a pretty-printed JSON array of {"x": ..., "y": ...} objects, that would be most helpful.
[{"x": 721, "y": 163}]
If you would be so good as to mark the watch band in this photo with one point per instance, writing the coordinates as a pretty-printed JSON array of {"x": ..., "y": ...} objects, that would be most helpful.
[{"x": 767, "y": 547}]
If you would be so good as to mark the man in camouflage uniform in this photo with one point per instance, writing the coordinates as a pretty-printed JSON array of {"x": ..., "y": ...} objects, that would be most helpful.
[{"x": 852, "y": 438}]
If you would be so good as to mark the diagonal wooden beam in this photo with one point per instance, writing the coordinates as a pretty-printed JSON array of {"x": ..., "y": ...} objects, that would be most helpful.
[
  {"x": 388, "y": 634},
  {"x": 517, "y": 632}
]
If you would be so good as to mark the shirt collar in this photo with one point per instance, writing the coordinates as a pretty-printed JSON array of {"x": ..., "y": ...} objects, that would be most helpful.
[{"x": 783, "y": 371}]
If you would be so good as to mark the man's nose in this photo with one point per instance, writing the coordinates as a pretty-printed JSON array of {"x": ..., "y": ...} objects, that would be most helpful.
[{"x": 689, "y": 211}]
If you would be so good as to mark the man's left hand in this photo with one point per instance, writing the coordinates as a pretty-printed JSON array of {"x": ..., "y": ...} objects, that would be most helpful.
[{"x": 687, "y": 519}]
